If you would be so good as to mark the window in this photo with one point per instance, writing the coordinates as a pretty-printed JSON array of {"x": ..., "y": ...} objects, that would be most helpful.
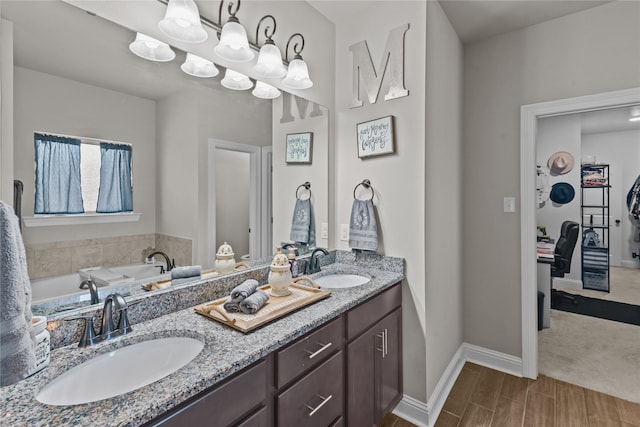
[{"x": 76, "y": 175}]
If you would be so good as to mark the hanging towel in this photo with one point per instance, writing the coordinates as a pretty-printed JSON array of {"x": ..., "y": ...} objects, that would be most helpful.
[
  {"x": 254, "y": 302},
  {"x": 185, "y": 274},
  {"x": 363, "y": 231},
  {"x": 303, "y": 229},
  {"x": 17, "y": 339}
]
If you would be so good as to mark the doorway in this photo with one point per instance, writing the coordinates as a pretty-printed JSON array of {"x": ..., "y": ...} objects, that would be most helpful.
[
  {"x": 529, "y": 122},
  {"x": 236, "y": 202}
]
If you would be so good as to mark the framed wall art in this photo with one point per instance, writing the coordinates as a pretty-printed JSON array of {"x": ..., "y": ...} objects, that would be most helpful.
[
  {"x": 375, "y": 137},
  {"x": 299, "y": 148}
]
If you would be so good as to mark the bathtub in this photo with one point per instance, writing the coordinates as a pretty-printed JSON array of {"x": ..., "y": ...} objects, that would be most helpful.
[{"x": 66, "y": 288}]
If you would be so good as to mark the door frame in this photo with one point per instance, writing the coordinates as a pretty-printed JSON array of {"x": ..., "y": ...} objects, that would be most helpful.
[
  {"x": 529, "y": 115},
  {"x": 255, "y": 203}
]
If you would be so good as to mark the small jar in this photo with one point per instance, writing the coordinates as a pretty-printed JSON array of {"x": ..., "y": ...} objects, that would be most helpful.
[
  {"x": 225, "y": 262},
  {"x": 280, "y": 274}
]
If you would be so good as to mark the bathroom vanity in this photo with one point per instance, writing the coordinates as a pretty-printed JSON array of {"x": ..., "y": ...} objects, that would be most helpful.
[{"x": 336, "y": 362}]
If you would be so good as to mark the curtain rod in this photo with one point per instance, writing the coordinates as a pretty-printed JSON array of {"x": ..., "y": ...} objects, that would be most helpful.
[{"x": 85, "y": 138}]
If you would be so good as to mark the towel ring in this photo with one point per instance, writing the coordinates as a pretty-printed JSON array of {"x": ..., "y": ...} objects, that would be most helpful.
[
  {"x": 366, "y": 184},
  {"x": 306, "y": 186}
]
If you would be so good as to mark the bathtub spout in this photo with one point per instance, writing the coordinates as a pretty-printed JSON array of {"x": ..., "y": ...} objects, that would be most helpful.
[{"x": 93, "y": 290}]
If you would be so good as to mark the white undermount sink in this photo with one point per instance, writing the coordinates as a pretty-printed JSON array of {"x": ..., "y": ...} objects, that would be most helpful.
[
  {"x": 120, "y": 371},
  {"x": 341, "y": 281}
]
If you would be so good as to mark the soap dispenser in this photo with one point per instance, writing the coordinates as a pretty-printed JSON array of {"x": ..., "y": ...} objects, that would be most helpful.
[
  {"x": 225, "y": 262},
  {"x": 280, "y": 274},
  {"x": 293, "y": 263}
]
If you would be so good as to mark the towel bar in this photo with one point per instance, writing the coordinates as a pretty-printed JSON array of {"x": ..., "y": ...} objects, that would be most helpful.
[
  {"x": 366, "y": 184},
  {"x": 306, "y": 186}
]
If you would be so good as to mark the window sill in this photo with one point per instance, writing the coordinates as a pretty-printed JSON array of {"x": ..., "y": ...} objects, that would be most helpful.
[{"x": 77, "y": 219}]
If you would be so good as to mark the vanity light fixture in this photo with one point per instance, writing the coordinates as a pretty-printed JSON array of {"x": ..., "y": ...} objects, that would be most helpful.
[
  {"x": 269, "y": 63},
  {"x": 298, "y": 73},
  {"x": 635, "y": 114},
  {"x": 265, "y": 91},
  {"x": 149, "y": 48},
  {"x": 182, "y": 22},
  {"x": 197, "y": 66},
  {"x": 236, "y": 81},
  {"x": 234, "y": 45}
]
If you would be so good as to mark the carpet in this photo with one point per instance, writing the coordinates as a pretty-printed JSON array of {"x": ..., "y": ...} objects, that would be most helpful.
[{"x": 594, "y": 307}]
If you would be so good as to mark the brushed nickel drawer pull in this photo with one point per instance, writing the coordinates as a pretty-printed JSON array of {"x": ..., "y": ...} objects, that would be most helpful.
[
  {"x": 323, "y": 348},
  {"x": 383, "y": 348},
  {"x": 324, "y": 400},
  {"x": 386, "y": 340}
]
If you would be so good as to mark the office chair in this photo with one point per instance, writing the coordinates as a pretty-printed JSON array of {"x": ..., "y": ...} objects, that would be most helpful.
[{"x": 562, "y": 258}]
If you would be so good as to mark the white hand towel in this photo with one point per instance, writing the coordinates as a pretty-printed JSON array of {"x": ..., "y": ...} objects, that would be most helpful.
[
  {"x": 363, "y": 231},
  {"x": 17, "y": 339}
]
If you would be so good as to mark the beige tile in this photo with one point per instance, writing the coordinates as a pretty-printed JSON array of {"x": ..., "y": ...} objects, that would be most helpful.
[
  {"x": 116, "y": 254},
  {"x": 50, "y": 262},
  {"x": 86, "y": 256}
]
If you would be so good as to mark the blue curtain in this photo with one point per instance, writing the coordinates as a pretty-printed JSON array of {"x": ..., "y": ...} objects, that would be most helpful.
[
  {"x": 58, "y": 188},
  {"x": 115, "y": 193}
]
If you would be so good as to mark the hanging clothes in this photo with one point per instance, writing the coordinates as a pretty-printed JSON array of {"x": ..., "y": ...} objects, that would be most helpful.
[{"x": 633, "y": 199}]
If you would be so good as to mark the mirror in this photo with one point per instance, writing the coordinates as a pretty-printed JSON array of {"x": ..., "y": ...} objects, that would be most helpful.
[{"x": 74, "y": 75}]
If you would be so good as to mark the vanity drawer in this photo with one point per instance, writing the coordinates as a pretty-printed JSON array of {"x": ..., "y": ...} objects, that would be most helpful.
[
  {"x": 259, "y": 419},
  {"x": 317, "y": 399},
  {"x": 225, "y": 404},
  {"x": 308, "y": 352},
  {"x": 366, "y": 314}
]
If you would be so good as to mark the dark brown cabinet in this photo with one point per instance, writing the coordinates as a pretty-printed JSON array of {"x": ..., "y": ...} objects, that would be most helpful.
[{"x": 347, "y": 372}]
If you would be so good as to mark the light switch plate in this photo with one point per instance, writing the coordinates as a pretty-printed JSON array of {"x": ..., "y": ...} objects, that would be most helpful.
[
  {"x": 509, "y": 204},
  {"x": 324, "y": 230},
  {"x": 344, "y": 232}
]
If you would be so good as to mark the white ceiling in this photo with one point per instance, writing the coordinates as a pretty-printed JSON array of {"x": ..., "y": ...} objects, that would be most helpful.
[{"x": 92, "y": 50}]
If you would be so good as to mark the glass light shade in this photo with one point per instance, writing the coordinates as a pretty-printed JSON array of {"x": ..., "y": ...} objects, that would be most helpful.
[
  {"x": 197, "y": 66},
  {"x": 182, "y": 22},
  {"x": 149, "y": 48},
  {"x": 297, "y": 75},
  {"x": 269, "y": 63},
  {"x": 265, "y": 91},
  {"x": 234, "y": 45},
  {"x": 236, "y": 81}
]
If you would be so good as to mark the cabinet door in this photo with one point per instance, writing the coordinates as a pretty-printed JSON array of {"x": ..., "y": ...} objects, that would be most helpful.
[
  {"x": 361, "y": 354},
  {"x": 389, "y": 364}
]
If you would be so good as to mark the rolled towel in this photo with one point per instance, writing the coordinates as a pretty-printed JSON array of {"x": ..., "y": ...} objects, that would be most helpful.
[
  {"x": 232, "y": 305},
  {"x": 185, "y": 274},
  {"x": 254, "y": 302},
  {"x": 245, "y": 289}
]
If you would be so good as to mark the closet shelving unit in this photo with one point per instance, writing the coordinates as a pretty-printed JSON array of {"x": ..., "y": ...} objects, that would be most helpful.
[{"x": 594, "y": 203}]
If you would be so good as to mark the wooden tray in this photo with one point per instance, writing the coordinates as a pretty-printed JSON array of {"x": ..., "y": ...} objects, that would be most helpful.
[{"x": 273, "y": 309}]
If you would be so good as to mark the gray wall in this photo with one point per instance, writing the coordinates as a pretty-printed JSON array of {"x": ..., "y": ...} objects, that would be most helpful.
[{"x": 585, "y": 53}]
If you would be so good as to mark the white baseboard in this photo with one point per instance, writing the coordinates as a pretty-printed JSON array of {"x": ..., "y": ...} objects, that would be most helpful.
[{"x": 425, "y": 415}]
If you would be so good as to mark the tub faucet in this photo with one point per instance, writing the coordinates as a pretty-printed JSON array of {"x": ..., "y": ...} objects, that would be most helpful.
[
  {"x": 167, "y": 260},
  {"x": 314, "y": 264},
  {"x": 93, "y": 290}
]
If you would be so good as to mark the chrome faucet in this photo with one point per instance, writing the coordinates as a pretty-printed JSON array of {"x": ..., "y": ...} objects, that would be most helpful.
[
  {"x": 93, "y": 290},
  {"x": 314, "y": 264},
  {"x": 167, "y": 260}
]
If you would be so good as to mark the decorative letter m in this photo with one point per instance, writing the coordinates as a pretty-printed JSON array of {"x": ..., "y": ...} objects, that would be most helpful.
[{"x": 363, "y": 71}]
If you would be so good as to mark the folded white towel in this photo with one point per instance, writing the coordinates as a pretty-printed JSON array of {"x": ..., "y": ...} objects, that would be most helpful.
[
  {"x": 363, "y": 231},
  {"x": 17, "y": 339}
]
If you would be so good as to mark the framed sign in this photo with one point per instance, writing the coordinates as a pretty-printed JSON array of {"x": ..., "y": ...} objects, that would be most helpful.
[
  {"x": 375, "y": 137},
  {"x": 299, "y": 147}
]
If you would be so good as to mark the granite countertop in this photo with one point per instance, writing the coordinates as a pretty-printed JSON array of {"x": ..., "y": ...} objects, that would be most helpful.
[{"x": 225, "y": 352}]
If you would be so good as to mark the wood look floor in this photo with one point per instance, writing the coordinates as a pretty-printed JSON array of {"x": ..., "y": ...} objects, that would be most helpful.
[{"x": 484, "y": 397}]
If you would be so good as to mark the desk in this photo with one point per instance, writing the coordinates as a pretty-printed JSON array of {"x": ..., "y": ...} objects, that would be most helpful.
[{"x": 544, "y": 286}]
